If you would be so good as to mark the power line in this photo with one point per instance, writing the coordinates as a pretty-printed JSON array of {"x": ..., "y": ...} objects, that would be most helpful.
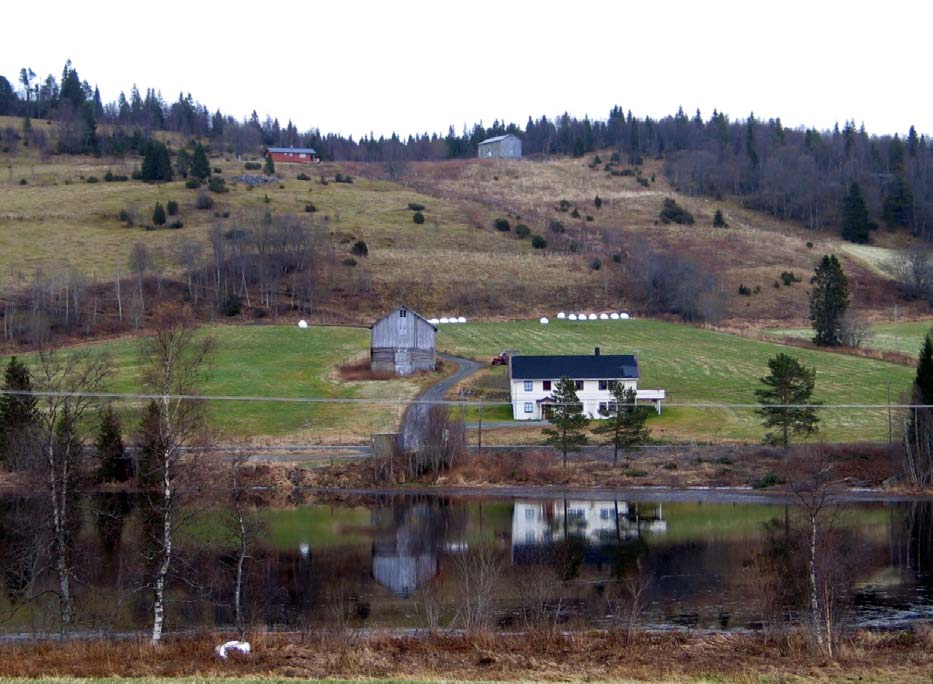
[{"x": 422, "y": 402}]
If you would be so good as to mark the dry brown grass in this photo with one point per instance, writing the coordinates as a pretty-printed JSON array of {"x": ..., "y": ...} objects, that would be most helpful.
[{"x": 649, "y": 657}]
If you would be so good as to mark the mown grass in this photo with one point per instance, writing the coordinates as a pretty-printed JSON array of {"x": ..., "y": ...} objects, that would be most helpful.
[
  {"x": 701, "y": 366},
  {"x": 282, "y": 361},
  {"x": 904, "y": 338}
]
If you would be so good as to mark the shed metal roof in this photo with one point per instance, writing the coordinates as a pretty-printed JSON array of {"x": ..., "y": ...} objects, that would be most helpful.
[
  {"x": 293, "y": 150},
  {"x": 399, "y": 307},
  {"x": 578, "y": 367},
  {"x": 487, "y": 141}
]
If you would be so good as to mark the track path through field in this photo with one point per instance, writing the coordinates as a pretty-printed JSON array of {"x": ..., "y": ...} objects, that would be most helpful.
[{"x": 436, "y": 392}]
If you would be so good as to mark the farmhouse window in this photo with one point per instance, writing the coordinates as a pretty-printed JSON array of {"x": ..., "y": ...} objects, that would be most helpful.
[
  {"x": 578, "y": 384},
  {"x": 529, "y": 407},
  {"x": 546, "y": 385},
  {"x": 529, "y": 385},
  {"x": 603, "y": 384},
  {"x": 529, "y": 514},
  {"x": 602, "y": 407}
]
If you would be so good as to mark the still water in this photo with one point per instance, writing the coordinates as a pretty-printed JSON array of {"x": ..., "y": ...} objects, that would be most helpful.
[{"x": 416, "y": 561}]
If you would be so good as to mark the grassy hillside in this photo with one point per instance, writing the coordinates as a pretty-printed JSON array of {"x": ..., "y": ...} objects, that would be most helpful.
[
  {"x": 461, "y": 264},
  {"x": 696, "y": 365}
]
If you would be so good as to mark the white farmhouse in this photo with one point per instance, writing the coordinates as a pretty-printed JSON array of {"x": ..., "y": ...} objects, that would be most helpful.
[{"x": 532, "y": 378}]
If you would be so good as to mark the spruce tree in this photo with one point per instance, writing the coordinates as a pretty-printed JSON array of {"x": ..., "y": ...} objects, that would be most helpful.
[
  {"x": 786, "y": 400},
  {"x": 269, "y": 168},
  {"x": 719, "y": 221},
  {"x": 855, "y": 221},
  {"x": 157, "y": 165},
  {"x": 113, "y": 464},
  {"x": 567, "y": 417},
  {"x": 829, "y": 300},
  {"x": 158, "y": 215},
  {"x": 150, "y": 445},
  {"x": 200, "y": 165},
  {"x": 17, "y": 412},
  {"x": 923, "y": 382},
  {"x": 624, "y": 426},
  {"x": 898, "y": 202}
]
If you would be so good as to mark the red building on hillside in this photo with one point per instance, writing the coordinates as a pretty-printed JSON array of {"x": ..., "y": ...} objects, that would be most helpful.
[{"x": 294, "y": 155}]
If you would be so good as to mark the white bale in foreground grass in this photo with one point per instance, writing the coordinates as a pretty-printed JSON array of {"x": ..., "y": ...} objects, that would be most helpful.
[
  {"x": 572, "y": 317},
  {"x": 444, "y": 319},
  {"x": 614, "y": 316},
  {"x": 225, "y": 650},
  {"x": 624, "y": 316},
  {"x": 561, "y": 315},
  {"x": 434, "y": 321},
  {"x": 581, "y": 317},
  {"x": 603, "y": 317},
  {"x": 302, "y": 324},
  {"x": 544, "y": 320},
  {"x": 461, "y": 319},
  {"x": 592, "y": 317}
]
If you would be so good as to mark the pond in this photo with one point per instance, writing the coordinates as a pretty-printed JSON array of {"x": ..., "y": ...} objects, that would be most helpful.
[{"x": 414, "y": 561}]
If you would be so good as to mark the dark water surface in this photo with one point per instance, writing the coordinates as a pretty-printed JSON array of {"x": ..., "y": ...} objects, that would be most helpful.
[{"x": 413, "y": 561}]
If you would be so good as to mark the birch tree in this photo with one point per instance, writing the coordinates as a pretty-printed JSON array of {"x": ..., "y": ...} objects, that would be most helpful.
[{"x": 174, "y": 361}]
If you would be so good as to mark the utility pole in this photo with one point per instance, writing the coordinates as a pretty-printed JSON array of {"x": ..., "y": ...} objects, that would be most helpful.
[
  {"x": 896, "y": 345},
  {"x": 890, "y": 429}
]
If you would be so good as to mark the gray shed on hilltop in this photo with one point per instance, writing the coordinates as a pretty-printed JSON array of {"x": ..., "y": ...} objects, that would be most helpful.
[
  {"x": 402, "y": 343},
  {"x": 506, "y": 146}
]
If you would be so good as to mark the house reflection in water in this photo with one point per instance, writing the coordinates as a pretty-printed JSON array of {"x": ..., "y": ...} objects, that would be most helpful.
[
  {"x": 537, "y": 524},
  {"x": 404, "y": 550}
]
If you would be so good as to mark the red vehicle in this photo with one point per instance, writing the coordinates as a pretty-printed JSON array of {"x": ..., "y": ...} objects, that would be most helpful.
[{"x": 503, "y": 358}]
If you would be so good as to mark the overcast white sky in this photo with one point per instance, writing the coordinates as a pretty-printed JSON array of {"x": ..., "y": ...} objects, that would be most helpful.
[{"x": 354, "y": 67}]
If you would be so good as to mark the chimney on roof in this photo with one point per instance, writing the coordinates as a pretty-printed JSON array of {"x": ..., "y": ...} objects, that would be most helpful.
[{"x": 596, "y": 351}]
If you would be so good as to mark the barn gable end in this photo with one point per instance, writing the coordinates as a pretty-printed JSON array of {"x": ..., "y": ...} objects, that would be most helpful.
[{"x": 402, "y": 343}]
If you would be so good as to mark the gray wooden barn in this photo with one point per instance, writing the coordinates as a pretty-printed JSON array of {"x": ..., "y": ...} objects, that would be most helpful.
[
  {"x": 402, "y": 343},
  {"x": 506, "y": 146}
]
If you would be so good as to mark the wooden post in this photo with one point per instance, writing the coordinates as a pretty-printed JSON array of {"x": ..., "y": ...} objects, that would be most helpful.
[{"x": 385, "y": 450}]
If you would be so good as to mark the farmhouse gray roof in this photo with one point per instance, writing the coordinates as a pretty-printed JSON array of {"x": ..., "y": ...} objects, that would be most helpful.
[
  {"x": 293, "y": 150},
  {"x": 496, "y": 139},
  {"x": 595, "y": 367}
]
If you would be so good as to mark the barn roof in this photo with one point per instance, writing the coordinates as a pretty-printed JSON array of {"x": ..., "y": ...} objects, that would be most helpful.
[
  {"x": 578, "y": 367},
  {"x": 402, "y": 306},
  {"x": 293, "y": 150},
  {"x": 498, "y": 138}
]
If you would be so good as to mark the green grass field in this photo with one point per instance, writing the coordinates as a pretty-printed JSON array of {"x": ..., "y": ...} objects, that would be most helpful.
[
  {"x": 696, "y": 365},
  {"x": 283, "y": 361},
  {"x": 904, "y": 338}
]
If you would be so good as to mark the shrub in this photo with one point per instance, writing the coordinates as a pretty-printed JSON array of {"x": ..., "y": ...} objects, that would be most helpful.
[
  {"x": 789, "y": 278},
  {"x": 617, "y": 258},
  {"x": 310, "y": 208},
  {"x": 598, "y": 201},
  {"x": 231, "y": 306},
  {"x": 252, "y": 166},
  {"x": 92, "y": 179},
  {"x": 522, "y": 231},
  {"x": 217, "y": 169},
  {"x": 303, "y": 176},
  {"x": 589, "y": 218},
  {"x": 719, "y": 221},
  {"x": 126, "y": 217},
  {"x": 672, "y": 212},
  {"x": 340, "y": 178},
  {"x": 418, "y": 217},
  {"x": 323, "y": 180},
  {"x": 596, "y": 264},
  {"x": 414, "y": 206},
  {"x": 204, "y": 201},
  {"x": 809, "y": 245},
  {"x": 349, "y": 261},
  {"x": 670, "y": 466},
  {"x": 192, "y": 183},
  {"x": 359, "y": 249},
  {"x": 556, "y": 227},
  {"x": 136, "y": 174},
  {"x": 744, "y": 290},
  {"x": 538, "y": 242},
  {"x": 269, "y": 167},
  {"x": 614, "y": 158},
  {"x": 111, "y": 177},
  {"x": 564, "y": 205},
  {"x": 158, "y": 215},
  {"x": 768, "y": 480},
  {"x": 171, "y": 207},
  {"x": 502, "y": 224},
  {"x": 642, "y": 181},
  {"x": 575, "y": 213},
  {"x": 265, "y": 198},
  {"x": 597, "y": 161},
  {"x": 217, "y": 184},
  {"x": 176, "y": 224}
]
